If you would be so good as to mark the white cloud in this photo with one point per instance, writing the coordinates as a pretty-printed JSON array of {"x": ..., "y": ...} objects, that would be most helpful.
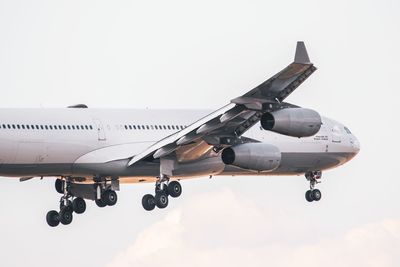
[{"x": 224, "y": 229}]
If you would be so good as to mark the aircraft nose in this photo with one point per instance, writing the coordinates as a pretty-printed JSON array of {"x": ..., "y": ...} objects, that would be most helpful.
[{"x": 356, "y": 145}]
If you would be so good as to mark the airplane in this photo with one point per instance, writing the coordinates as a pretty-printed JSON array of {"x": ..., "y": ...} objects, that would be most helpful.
[{"x": 90, "y": 152}]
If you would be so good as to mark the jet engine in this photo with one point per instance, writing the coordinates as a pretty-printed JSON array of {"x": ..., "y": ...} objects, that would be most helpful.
[
  {"x": 296, "y": 122},
  {"x": 252, "y": 156}
]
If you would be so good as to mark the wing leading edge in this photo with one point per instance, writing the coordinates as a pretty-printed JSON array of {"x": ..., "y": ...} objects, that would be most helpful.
[{"x": 224, "y": 126}]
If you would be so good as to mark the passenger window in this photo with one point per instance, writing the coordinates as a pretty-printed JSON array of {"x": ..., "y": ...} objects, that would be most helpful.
[
  {"x": 50, "y": 127},
  {"x": 134, "y": 127},
  {"x": 169, "y": 128},
  {"x": 126, "y": 127},
  {"x": 18, "y": 126},
  {"x": 73, "y": 127},
  {"x": 69, "y": 127},
  {"x": 8, "y": 126},
  {"x": 23, "y": 127},
  {"x": 27, "y": 127},
  {"x": 13, "y": 126},
  {"x": 155, "y": 126},
  {"x": 4, "y": 126},
  {"x": 37, "y": 127},
  {"x": 91, "y": 127}
]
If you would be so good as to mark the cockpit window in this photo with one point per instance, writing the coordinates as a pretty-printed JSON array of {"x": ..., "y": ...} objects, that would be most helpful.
[{"x": 347, "y": 130}]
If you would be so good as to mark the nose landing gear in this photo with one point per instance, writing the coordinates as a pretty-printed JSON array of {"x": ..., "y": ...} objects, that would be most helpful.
[{"x": 314, "y": 178}]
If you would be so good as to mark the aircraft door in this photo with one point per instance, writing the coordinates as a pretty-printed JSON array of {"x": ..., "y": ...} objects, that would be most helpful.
[
  {"x": 100, "y": 130},
  {"x": 336, "y": 134}
]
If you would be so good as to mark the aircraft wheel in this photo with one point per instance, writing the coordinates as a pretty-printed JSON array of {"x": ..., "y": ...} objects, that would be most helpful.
[
  {"x": 148, "y": 202},
  {"x": 161, "y": 200},
  {"x": 65, "y": 216},
  {"x": 100, "y": 203},
  {"x": 309, "y": 196},
  {"x": 59, "y": 185},
  {"x": 52, "y": 218},
  {"x": 69, "y": 205},
  {"x": 316, "y": 195},
  {"x": 109, "y": 197},
  {"x": 79, "y": 205},
  {"x": 164, "y": 190},
  {"x": 174, "y": 189}
]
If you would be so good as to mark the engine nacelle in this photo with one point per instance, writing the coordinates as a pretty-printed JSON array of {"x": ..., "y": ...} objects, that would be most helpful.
[
  {"x": 296, "y": 122},
  {"x": 252, "y": 156}
]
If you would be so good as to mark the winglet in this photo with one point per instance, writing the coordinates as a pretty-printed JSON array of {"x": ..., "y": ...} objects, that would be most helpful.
[{"x": 301, "y": 54}]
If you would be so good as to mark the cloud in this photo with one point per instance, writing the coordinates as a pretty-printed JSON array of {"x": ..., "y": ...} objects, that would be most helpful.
[{"x": 225, "y": 229}]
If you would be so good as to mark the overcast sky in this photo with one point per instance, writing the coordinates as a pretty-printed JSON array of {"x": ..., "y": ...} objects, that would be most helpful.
[{"x": 201, "y": 54}]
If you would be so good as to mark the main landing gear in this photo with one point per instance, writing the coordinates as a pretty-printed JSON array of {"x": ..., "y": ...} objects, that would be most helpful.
[
  {"x": 70, "y": 204},
  {"x": 314, "y": 178},
  {"x": 164, "y": 188}
]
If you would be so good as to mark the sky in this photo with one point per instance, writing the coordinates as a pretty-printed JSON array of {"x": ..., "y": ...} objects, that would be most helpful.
[{"x": 201, "y": 54}]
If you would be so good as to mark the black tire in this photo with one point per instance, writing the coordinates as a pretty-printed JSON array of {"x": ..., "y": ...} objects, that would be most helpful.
[
  {"x": 65, "y": 216},
  {"x": 316, "y": 195},
  {"x": 79, "y": 205},
  {"x": 174, "y": 189},
  {"x": 69, "y": 205},
  {"x": 309, "y": 196},
  {"x": 164, "y": 190},
  {"x": 52, "y": 218},
  {"x": 109, "y": 197},
  {"x": 59, "y": 185},
  {"x": 100, "y": 203},
  {"x": 161, "y": 200},
  {"x": 148, "y": 202}
]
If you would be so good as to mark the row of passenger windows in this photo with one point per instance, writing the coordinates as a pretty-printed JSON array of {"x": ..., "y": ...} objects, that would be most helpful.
[
  {"x": 46, "y": 127},
  {"x": 86, "y": 127},
  {"x": 154, "y": 127}
]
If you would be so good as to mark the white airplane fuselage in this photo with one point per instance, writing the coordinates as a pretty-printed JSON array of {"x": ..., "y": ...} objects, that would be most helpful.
[{"x": 84, "y": 142}]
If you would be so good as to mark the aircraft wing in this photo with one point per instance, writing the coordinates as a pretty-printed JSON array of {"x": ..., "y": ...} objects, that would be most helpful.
[{"x": 225, "y": 125}]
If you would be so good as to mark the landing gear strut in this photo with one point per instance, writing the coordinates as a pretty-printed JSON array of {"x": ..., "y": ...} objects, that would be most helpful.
[
  {"x": 164, "y": 188},
  {"x": 105, "y": 196},
  {"x": 68, "y": 205},
  {"x": 314, "y": 178}
]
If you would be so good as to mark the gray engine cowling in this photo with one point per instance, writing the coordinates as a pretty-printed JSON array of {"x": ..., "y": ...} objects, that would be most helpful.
[
  {"x": 296, "y": 122},
  {"x": 252, "y": 156}
]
